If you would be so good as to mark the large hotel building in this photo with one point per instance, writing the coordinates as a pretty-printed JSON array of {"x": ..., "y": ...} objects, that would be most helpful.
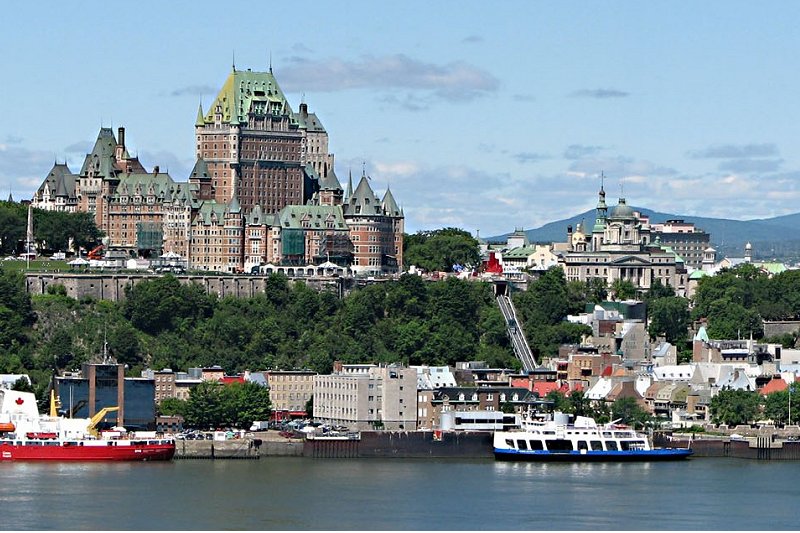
[{"x": 263, "y": 191}]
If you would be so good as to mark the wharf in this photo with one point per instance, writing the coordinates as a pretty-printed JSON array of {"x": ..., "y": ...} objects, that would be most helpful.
[
  {"x": 250, "y": 448},
  {"x": 369, "y": 444},
  {"x": 765, "y": 446}
]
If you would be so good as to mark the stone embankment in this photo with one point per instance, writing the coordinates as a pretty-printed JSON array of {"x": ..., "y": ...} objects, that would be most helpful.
[{"x": 267, "y": 443}]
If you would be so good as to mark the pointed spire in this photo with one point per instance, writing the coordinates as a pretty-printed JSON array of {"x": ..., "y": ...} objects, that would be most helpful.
[
  {"x": 200, "y": 119},
  {"x": 233, "y": 60},
  {"x": 270, "y": 61},
  {"x": 349, "y": 192},
  {"x": 389, "y": 204}
]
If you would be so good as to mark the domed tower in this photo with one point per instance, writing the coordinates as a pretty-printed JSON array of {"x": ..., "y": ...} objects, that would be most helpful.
[
  {"x": 622, "y": 226},
  {"x": 600, "y": 222}
]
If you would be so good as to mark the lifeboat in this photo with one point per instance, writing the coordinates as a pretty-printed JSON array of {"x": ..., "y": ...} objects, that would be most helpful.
[
  {"x": 7, "y": 427},
  {"x": 40, "y": 435}
]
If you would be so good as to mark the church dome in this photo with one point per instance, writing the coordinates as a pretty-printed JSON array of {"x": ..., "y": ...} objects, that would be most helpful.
[{"x": 622, "y": 210}]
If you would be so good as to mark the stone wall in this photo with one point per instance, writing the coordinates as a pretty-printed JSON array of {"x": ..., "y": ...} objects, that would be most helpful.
[
  {"x": 112, "y": 286},
  {"x": 779, "y": 327}
]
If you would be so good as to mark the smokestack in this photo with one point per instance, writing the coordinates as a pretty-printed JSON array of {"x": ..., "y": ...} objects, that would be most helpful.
[{"x": 121, "y": 136}]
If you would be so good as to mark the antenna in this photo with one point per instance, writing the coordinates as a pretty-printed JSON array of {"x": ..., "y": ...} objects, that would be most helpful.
[
  {"x": 270, "y": 61},
  {"x": 233, "y": 60}
]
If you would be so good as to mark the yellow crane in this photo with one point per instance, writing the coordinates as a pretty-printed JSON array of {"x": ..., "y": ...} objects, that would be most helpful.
[{"x": 101, "y": 414}]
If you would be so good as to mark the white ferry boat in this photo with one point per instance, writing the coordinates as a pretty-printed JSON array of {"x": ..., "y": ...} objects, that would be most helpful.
[{"x": 557, "y": 439}]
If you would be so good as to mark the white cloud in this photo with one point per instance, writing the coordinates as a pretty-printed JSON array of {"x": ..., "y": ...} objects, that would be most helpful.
[{"x": 455, "y": 81}]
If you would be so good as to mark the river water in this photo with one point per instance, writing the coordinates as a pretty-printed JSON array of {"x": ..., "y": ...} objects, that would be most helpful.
[{"x": 278, "y": 493}]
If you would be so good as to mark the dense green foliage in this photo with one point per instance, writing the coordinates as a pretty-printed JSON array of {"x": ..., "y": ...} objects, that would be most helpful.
[
  {"x": 542, "y": 309},
  {"x": 669, "y": 317},
  {"x": 439, "y": 250},
  {"x": 165, "y": 324},
  {"x": 735, "y": 407},
  {"x": 214, "y": 405},
  {"x": 778, "y": 405},
  {"x": 628, "y": 411},
  {"x": 53, "y": 229},
  {"x": 735, "y": 301}
]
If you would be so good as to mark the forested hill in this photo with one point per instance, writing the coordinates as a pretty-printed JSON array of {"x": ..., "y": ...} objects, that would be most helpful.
[
  {"x": 165, "y": 324},
  {"x": 776, "y": 237}
]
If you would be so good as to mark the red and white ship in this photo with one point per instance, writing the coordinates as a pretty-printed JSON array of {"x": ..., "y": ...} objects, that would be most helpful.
[{"x": 25, "y": 435}]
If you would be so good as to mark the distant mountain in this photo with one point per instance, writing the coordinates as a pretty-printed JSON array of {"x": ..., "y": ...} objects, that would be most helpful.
[{"x": 776, "y": 237}]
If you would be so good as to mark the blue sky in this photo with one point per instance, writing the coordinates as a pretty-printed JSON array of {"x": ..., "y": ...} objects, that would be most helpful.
[{"x": 484, "y": 116}]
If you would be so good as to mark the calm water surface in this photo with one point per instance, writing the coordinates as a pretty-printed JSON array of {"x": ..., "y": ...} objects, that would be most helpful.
[{"x": 297, "y": 493}]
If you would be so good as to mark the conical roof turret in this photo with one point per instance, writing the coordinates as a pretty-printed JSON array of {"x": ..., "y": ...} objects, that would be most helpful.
[{"x": 390, "y": 206}]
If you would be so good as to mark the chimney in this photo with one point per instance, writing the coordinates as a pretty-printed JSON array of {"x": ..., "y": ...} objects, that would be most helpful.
[
  {"x": 304, "y": 110},
  {"x": 121, "y": 136},
  {"x": 155, "y": 170}
]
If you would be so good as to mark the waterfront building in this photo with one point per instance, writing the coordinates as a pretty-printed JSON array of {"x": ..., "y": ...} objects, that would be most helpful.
[
  {"x": 364, "y": 397},
  {"x": 96, "y": 386},
  {"x": 473, "y": 399},
  {"x": 290, "y": 391}
]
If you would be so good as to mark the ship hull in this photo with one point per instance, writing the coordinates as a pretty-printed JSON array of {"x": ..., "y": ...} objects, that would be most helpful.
[
  {"x": 665, "y": 454},
  {"x": 63, "y": 452}
]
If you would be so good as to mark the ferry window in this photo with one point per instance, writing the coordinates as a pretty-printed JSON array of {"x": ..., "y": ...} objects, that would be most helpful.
[
  {"x": 611, "y": 445},
  {"x": 625, "y": 444},
  {"x": 582, "y": 445},
  {"x": 597, "y": 445},
  {"x": 510, "y": 442},
  {"x": 559, "y": 445},
  {"x": 537, "y": 445},
  {"x": 522, "y": 444}
]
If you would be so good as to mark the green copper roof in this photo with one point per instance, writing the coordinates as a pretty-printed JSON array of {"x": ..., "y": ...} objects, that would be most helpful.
[
  {"x": 701, "y": 335},
  {"x": 312, "y": 217},
  {"x": 309, "y": 121},
  {"x": 101, "y": 157},
  {"x": 363, "y": 201},
  {"x": 390, "y": 205},
  {"x": 247, "y": 92},
  {"x": 199, "y": 121},
  {"x": 773, "y": 268},
  {"x": 519, "y": 253},
  {"x": 200, "y": 169},
  {"x": 698, "y": 274}
]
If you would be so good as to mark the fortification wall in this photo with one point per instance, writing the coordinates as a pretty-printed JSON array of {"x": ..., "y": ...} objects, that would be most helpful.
[
  {"x": 780, "y": 327},
  {"x": 112, "y": 286}
]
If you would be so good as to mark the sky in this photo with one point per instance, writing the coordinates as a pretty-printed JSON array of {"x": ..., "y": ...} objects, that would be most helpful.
[{"x": 483, "y": 116}]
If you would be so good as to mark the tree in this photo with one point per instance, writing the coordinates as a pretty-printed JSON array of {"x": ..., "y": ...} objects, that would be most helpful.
[
  {"x": 734, "y": 407},
  {"x": 248, "y": 402},
  {"x": 214, "y": 405},
  {"x": 629, "y": 412},
  {"x": 658, "y": 290},
  {"x": 669, "y": 316},
  {"x": 12, "y": 226},
  {"x": 776, "y": 405},
  {"x": 440, "y": 249},
  {"x": 206, "y": 408},
  {"x": 623, "y": 289},
  {"x": 172, "y": 407},
  {"x": 22, "y": 385}
]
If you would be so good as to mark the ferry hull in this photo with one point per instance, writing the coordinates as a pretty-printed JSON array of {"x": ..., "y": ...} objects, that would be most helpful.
[
  {"x": 64, "y": 453},
  {"x": 666, "y": 454}
]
